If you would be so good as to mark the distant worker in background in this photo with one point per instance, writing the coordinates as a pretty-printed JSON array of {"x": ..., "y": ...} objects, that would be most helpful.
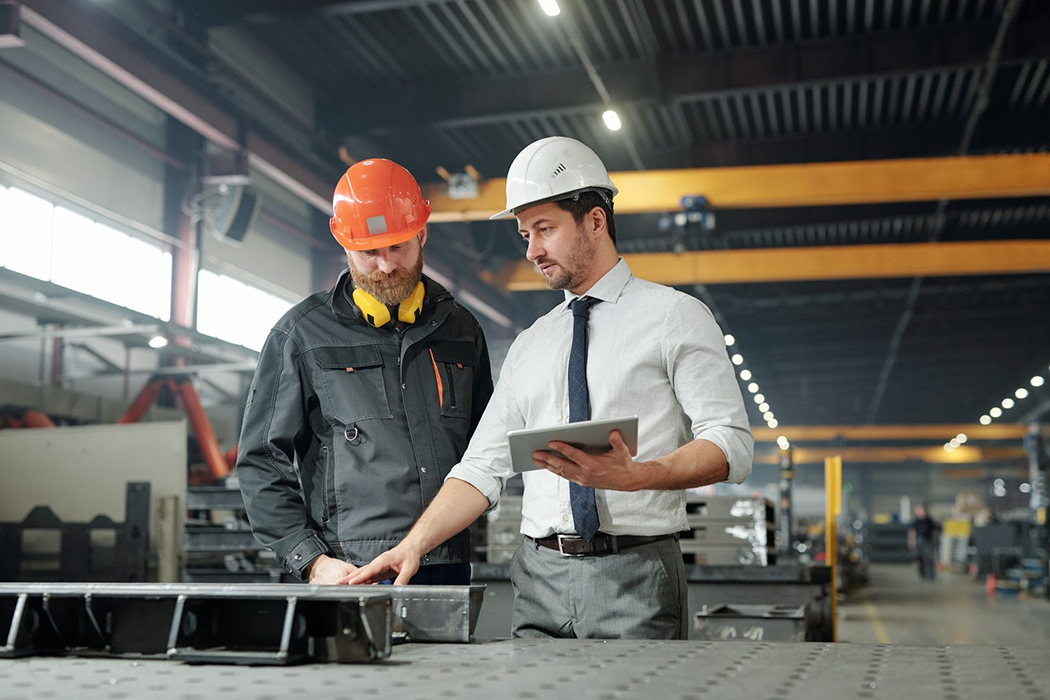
[
  {"x": 601, "y": 557},
  {"x": 922, "y": 540},
  {"x": 365, "y": 396}
]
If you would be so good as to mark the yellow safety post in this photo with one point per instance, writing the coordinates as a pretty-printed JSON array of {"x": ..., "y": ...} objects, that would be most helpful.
[{"x": 833, "y": 489}]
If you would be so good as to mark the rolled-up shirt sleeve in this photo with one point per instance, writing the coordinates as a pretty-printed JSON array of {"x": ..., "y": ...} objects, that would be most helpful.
[
  {"x": 486, "y": 463},
  {"x": 705, "y": 383}
]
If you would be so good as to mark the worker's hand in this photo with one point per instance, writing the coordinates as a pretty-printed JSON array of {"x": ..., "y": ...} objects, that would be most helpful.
[
  {"x": 402, "y": 561},
  {"x": 614, "y": 470},
  {"x": 326, "y": 570}
]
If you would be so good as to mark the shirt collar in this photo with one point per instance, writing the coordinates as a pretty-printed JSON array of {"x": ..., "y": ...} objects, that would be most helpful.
[{"x": 609, "y": 287}]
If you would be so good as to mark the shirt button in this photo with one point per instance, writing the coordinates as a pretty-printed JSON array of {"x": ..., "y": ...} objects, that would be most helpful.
[
  {"x": 423, "y": 469},
  {"x": 298, "y": 557},
  {"x": 565, "y": 518},
  {"x": 404, "y": 386}
]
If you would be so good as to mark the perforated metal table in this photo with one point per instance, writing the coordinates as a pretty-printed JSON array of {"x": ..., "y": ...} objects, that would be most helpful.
[{"x": 568, "y": 669}]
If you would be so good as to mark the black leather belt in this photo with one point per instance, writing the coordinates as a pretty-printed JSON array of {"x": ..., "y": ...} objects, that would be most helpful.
[{"x": 573, "y": 546}]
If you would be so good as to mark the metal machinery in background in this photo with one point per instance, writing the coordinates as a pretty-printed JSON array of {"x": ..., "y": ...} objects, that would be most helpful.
[
  {"x": 181, "y": 386},
  {"x": 218, "y": 543},
  {"x": 79, "y": 558},
  {"x": 729, "y": 530}
]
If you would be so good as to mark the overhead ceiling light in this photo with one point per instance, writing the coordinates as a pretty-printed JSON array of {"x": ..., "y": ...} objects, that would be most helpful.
[
  {"x": 737, "y": 359},
  {"x": 763, "y": 407},
  {"x": 773, "y": 423},
  {"x": 948, "y": 448},
  {"x": 752, "y": 387},
  {"x": 961, "y": 437},
  {"x": 1021, "y": 393},
  {"x": 759, "y": 398},
  {"x": 986, "y": 419},
  {"x": 995, "y": 412},
  {"x": 1038, "y": 381},
  {"x": 998, "y": 483},
  {"x": 157, "y": 342},
  {"x": 1008, "y": 402},
  {"x": 768, "y": 415},
  {"x": 612, "y": 119},
  {"x": 730, "y": 340},
  {"x": 954, "y": 442},
  {"x": 1025, "y": 487},
  {"x": 745, "y": 374},
  {"x": 550, "y": 7}
]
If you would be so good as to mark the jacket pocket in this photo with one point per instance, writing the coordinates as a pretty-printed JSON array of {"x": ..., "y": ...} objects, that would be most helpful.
[
  {"x": 353, "y": 385},
  {"x": 454, "y": 363}
]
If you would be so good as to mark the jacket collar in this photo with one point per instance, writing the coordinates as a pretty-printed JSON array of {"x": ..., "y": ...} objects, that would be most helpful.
[{"x": 342, "y": 304}]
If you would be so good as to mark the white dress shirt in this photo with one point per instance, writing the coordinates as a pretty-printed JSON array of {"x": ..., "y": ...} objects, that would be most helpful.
[{"x": 653, "y": 352}]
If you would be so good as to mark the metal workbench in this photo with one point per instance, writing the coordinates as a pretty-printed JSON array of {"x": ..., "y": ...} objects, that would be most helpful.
[{"x": 568, "y": 669}]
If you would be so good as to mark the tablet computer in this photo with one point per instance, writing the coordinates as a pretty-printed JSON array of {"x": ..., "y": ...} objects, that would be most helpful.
[{"x": 591, "y": 436}]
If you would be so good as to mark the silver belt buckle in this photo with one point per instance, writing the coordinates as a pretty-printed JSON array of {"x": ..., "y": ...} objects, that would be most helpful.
[{"x": 561, "y": 545}]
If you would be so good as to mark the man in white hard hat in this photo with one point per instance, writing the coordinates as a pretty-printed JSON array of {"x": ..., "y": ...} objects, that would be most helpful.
[{"x": 600, "y": 558}]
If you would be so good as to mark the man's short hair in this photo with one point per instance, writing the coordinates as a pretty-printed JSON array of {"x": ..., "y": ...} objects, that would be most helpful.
[{"x": 587, "y": 201}]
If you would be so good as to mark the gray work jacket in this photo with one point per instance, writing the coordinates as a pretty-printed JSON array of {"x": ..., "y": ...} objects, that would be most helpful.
[{"x": 350, "y": 430}]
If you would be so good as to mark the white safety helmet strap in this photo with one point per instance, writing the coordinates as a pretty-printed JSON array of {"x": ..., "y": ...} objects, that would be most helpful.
[{"x": 553, "y": 169}]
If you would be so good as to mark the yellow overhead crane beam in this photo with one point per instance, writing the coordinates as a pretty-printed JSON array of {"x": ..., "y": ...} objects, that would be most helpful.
[
  {"x": 798, "y": 185},
  {"x": 964, "y": 454},
  {"x": 816, "y": 263},
  {"x": 941, "y": 433}
]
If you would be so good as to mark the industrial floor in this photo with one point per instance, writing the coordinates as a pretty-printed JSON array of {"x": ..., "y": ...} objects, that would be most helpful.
[{"x": 899, "y": 608}]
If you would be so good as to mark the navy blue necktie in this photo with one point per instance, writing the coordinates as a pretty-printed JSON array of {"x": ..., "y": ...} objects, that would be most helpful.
[{"x": 581, "y": 498}]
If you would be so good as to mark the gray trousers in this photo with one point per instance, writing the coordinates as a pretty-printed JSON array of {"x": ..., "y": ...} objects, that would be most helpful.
[{"x": 637, "y": 593}]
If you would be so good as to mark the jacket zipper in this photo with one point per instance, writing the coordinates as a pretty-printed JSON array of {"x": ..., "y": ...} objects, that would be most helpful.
[
  {"x": 324, "y": 484},
  {"x": 451, "y": 386}
]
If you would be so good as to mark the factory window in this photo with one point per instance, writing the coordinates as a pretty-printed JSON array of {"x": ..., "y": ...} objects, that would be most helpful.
[
  {"x": 28, "y": 248},
  {"x": 98, "y": 260},
  {"x": 236, "y": 312},
  {"x": 55, "y": 244}
]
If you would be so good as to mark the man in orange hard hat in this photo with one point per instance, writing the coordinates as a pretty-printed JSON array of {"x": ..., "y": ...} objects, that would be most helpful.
[{"x": 365, "y": 396}]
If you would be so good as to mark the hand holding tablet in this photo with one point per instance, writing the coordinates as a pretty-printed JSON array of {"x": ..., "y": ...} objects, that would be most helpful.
[{"x": 590, "y": 436}]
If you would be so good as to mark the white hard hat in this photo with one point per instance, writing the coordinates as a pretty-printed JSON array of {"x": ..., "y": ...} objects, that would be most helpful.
[{"x": 551, "y": 169}]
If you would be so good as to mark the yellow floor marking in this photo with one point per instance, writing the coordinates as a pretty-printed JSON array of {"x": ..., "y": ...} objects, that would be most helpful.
[{"x": 876, "y": 623}]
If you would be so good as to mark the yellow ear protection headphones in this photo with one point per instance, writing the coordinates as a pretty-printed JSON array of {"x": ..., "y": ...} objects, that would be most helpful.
[{"x": 377, "y": 314}]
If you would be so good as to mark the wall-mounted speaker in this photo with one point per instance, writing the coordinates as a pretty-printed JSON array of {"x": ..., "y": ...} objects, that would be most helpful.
[{"x": 232, "y": 212}]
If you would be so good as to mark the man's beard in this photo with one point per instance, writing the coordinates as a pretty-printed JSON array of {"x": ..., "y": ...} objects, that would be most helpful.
[
  {"x": 576, "y": 266},
  {"x": 390, "y": 289}
]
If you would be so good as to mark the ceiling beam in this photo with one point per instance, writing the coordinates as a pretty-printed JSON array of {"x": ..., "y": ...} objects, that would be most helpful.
[
  {"x": 898, "y": 455},
  {"x": 796, "y": 185},
  {"x": 819, "y": 263},
  {"x": 87, "y": 36},
  {"x": 227, "y": 12},
  {"x": 679, "y": 79},
  {"x": 831, "y": 433}
]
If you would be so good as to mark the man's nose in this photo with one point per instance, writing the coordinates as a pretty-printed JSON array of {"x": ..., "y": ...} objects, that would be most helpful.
[
  {"x": 385, "y": 265},
  {"x": 534, "y": 251}
]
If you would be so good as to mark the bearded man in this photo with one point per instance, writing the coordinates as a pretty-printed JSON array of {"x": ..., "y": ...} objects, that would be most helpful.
[{"x": 365, "y": 396}]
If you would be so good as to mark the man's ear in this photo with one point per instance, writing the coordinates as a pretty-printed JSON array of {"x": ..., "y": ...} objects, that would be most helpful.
[
  {"x": 422, "y": 236},
  {"x": 597, "y": 222}
]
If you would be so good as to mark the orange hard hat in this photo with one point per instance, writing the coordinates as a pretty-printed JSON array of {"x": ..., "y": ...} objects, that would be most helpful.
[{"x": 376, "y": 204}]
